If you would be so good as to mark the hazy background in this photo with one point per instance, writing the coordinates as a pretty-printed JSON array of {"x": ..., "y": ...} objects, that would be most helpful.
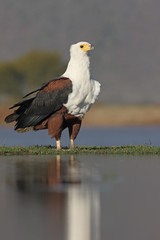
[{"x": 125, "y": 33}]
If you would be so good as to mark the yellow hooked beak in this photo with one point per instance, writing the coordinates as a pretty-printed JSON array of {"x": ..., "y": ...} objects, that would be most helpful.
[{"x": 86, "y": 47}]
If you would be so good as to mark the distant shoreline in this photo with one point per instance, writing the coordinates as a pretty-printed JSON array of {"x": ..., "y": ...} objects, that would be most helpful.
[{"x": 111, "y": 115}]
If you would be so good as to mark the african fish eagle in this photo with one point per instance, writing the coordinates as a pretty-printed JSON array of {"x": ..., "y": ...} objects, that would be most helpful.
[{"x": 60, "y": 103}]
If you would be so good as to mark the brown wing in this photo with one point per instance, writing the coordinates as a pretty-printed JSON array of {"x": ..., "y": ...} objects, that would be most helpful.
[{"x": 49, "y": 99}]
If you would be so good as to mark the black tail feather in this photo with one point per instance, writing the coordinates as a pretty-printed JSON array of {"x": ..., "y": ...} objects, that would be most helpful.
[
  {"x": 22, "y": 106},
  {"x": 11, "y": 118}
]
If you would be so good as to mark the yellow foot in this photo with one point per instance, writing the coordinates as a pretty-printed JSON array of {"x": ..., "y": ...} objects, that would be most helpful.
[
  {"x": 71, "y": 143},
  {"x": 58, "y": 144}
]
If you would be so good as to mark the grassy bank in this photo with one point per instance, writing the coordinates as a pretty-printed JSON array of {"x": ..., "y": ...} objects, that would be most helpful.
[{"x": 49, "y": 150}]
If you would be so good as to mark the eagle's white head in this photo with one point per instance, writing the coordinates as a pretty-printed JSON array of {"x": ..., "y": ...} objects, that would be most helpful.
[
  {"x": 79, "y": 64},
  {"x": 80, "y": 49}
]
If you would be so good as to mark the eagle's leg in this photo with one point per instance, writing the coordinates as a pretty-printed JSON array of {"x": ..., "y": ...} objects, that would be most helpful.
[
  {"x": 55, "y": 128},
  {"x": 73, "y": 130},
  {"x": 58, "y": 144},
  {"x": 71, "y": 143}
]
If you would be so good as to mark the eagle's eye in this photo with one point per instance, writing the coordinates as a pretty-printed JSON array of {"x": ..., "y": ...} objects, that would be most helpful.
[{"x": 81, "y": 46}]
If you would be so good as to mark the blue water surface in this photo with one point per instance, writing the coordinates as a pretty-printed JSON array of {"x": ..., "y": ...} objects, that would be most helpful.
[{"x": 88, "y": 136}]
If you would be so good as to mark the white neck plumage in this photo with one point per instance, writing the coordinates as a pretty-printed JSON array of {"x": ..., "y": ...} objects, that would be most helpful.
[{"x": 78, "y": 68}]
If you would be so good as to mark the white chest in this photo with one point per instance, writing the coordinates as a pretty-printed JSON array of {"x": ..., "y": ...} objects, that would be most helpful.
[
  {"x": 82, "y": 97},
  {"x": 84, "y": 90}
]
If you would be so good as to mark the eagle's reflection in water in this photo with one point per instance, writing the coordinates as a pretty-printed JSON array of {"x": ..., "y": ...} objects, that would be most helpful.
[
  {"x": 58, "y": 184},
  {"x": 48, "y": 173}
]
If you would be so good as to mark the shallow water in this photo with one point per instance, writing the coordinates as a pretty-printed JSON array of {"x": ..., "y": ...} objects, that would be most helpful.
[
  {"x": 87, "y": 137},
  {"x": 89, "y": 197}
]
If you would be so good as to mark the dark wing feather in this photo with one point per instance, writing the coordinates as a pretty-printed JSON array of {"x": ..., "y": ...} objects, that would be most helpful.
[
  {"x": 37, "y": 90},
  {"x": 28, "y": 94},
  {"x": 48, "y": 100},
  {"x": 22, "y": 107}
]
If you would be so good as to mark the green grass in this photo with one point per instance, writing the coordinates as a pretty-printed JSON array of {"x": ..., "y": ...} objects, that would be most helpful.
[{"x": 49, "y": 150}]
